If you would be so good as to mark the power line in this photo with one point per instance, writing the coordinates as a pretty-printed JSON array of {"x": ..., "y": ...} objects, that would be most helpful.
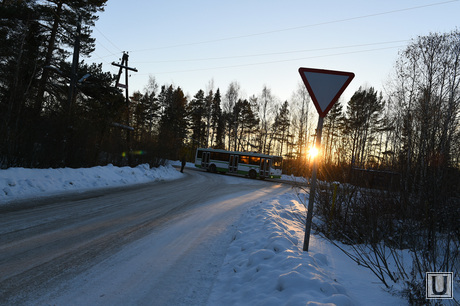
[
  {"x": 274, "y": 62},
  {"x": 100, "y": 32},
  {"x": 98, "y": 57},
  {"x": 102, "y": 57},
  {"x": 269, "y": 54},
  {"x": 110, "y": 52},
  {"x": 298, "y": 27}
]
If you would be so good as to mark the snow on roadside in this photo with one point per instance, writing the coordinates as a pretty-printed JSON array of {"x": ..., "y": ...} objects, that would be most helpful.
[
  {"x": 265, "y": 265},
  {"x": 23, "y": 183}
]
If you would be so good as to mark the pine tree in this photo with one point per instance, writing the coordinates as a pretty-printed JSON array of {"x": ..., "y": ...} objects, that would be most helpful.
[
  {"x": 363, "y": 119},
  {"x": 35, "y": 39},
  {"x": 197, "y": 114},
  {"x": 20, "y": 48},
  {"x": 60, "y": 20},
  {"x": 333, "y": 123},
  {"x": 173, "y": 122},
  {"x": 218, "y": 121},
  {"x": 281, "y": 126},
  {"x": 246, "y": 122}
]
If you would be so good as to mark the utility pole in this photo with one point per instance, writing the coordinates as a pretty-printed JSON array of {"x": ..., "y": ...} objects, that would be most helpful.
[{"x": 124, "y": 65}]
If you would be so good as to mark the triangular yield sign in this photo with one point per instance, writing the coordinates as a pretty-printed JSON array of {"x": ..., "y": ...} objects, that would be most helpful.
[{"x": 325, "y": 86}]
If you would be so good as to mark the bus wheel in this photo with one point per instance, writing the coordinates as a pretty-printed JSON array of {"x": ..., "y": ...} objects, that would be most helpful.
[
  {"x": 252, "y": 174},
  {"x": 212, "y": 168}
]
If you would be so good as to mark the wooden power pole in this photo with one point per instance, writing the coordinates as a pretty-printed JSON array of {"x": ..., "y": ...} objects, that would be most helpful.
[
  {"x": 124, "y": 65},
  {"x": 127, "y": 127}
]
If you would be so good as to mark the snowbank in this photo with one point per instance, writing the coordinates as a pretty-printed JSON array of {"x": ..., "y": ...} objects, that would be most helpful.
[
  {"x": 265, "y": 265},
  {"x": 22, "y": 183}
]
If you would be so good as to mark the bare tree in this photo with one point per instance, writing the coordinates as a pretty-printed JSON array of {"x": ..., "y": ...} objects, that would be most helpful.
[
  {"x": 427, "y": 99},
  {"x": 266, "y": 107},
  {"x": 301, "y": 112},
  {"x": 230, "y": 100}
]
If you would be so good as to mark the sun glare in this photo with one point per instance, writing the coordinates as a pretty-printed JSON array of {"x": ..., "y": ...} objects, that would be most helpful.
[{"x": 313, "y": 152}]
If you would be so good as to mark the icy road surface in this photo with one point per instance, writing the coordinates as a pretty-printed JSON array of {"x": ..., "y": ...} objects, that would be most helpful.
[{"x": 160, "y": 243}]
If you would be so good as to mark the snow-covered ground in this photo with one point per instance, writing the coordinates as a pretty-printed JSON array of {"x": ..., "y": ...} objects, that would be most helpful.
[
  {"x": 264, "y": 265},
  {"x": 23, "y": 183}
]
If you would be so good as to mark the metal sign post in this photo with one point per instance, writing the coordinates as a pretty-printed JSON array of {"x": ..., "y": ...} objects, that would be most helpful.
[
  {"x": 311, "y": 198},
  {"x": 325, "y": 88}
]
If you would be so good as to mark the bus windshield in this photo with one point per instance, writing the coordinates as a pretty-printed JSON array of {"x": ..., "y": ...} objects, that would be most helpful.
[{"x": 277, "y": 162}]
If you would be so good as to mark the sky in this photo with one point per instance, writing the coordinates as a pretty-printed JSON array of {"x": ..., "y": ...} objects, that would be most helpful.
[{"x": 207, "y": 44}]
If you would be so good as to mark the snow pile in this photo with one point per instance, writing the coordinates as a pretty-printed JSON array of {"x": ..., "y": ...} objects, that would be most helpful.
[
  {"x": 265, "y": 264},
  {"x": 22, "y": 183}
]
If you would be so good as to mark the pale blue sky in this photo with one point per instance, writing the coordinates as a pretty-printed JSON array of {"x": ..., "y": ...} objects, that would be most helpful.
[{"x": 257, "y": 43}]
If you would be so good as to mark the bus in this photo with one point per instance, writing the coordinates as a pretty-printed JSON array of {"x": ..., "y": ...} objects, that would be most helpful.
[{"x": 253, "y": 165}]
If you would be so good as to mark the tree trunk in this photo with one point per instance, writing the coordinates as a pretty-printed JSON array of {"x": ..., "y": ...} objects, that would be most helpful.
[{"x": 49, "y": 55}]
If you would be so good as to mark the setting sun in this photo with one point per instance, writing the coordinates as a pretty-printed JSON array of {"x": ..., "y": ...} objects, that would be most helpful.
[{"x": 313, "y": 152}]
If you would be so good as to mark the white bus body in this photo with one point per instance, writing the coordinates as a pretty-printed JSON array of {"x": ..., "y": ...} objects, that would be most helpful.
[{"x": 244, "y": 163}]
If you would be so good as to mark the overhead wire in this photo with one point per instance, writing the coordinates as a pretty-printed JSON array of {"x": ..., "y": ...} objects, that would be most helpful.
[
  {"x": 274, "y": 62},
  {"x": 110, "y": 52},
  {"x": 297, "y": 27},
  {"x": 268, "y": 54},
  {"x": 100, "y": 32},
  {"x": 273, "y": 53}
]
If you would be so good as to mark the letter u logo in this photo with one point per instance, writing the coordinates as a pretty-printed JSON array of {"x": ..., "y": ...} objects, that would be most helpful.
[
  {"x": 439, "y": 285},
  {"x": 434, "y": 282}
]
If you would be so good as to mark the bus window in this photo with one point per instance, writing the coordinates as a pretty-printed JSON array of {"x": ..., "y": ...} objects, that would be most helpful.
[
  {"x": 219, "y": 156},
  {"x": 244, "y": 159},
  {"x": 254, "y": 160}
]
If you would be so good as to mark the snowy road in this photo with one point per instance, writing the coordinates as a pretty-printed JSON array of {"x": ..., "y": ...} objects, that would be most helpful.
[{"x": 154, "y": 244}]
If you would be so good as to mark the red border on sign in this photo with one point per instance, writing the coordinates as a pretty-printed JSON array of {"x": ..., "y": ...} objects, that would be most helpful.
[{"x": 321, "y": 113}]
